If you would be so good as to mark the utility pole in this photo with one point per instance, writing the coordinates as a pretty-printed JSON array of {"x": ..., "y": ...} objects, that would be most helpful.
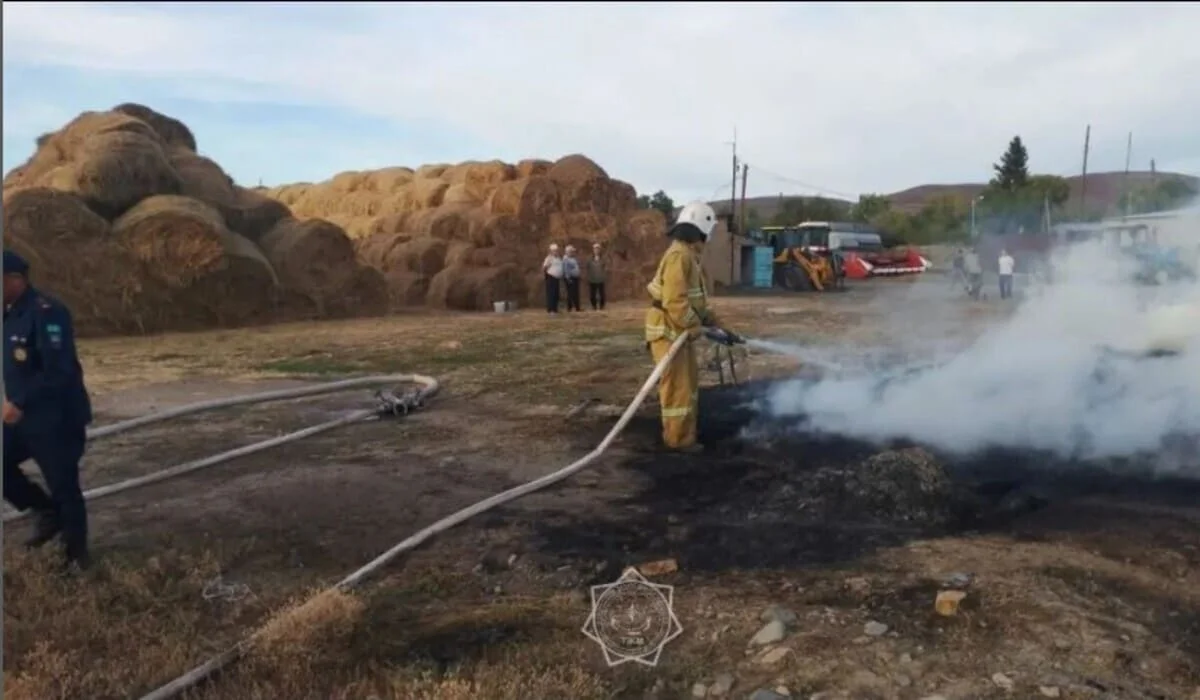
[
  {"x": 1125, "y": 179},
  {"x": 732, "y": 205},
  {"x": 1087, "y": 140},
  {"x": 742, "y": 224}
]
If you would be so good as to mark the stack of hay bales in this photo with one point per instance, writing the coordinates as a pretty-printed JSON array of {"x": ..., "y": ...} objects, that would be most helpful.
[
  {"x": 464, "y": 236},
  {"x": 124, "y": 221}
]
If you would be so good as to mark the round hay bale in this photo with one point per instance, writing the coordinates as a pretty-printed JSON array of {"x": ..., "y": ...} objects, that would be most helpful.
[
  {"x": 531, "y": 201},
  {"x": 178, "y": 239},
  {"x": 388, "y": 180},
  {"x": 424, "y": 193},
  {"x": 376, "y": 250},
  {"x": 458, "y": 195},
  {"x": 252, "y": 214},
  {"x": 481, "y": 179},
  {"x": 585, "y": 227},
  {"x": 365, "y": 293},
  {"x": 116, "y": 170},
  {"x": 647, "y": 225},
  {"x": 476, "y": 289},
  {"x": 312, "y": 257},
  {"x": 172, "y": 131},
  {"x": 424, "y": 256},
  {"x": 358, "y": 227},
  {"x": 242, "y": 289},
  {"x": 586, "y": 195},
  {"x": 531, "y": 167},
  {"x": 71, "y": 138},
  {"x": 446, "y": 223},
  {"x": 406, "y": 288},
  {"x": 201, "y": 178},
  {"x": 73, "y": 257},
  {"x": 487, "y": 229},
  {"x": 458, "y": 253},
  {"x": 391, "y": 223},
  {"x": 622, "y": 197},
  {"x": 348, "y": 181},
  {"x": 430, "y": 172},
  {"x": 575, "y": 168},
  {"x": 497, "y": 256}
]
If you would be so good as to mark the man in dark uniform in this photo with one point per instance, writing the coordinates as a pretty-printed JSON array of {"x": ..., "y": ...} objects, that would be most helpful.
[{"x": 46, "y": 412}]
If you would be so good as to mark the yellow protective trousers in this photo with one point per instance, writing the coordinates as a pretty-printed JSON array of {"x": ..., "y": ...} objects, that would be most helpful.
[{"x": 678, "y": 393}]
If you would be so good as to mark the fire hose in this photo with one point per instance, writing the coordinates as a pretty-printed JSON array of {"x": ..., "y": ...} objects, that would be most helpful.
[
  {"x": 206, "y": 670},
  {"x": 389, "y": 404}
]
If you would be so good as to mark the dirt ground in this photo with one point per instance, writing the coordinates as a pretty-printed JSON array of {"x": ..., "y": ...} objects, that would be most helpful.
[{"x": 1080, "y": 585}]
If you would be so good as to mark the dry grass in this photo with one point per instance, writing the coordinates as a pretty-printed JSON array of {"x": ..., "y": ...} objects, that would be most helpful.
[{"x": 431, "y": 631}]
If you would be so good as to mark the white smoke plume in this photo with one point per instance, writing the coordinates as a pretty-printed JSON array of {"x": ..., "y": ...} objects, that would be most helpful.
[{"x": 1065, "y": 373}]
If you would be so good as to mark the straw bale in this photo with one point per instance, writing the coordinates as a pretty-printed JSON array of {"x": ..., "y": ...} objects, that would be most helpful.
[
  {"x": 424, "y": 193},
  {"x": 430, "y": 172},
  {"x": 68, "y": 141},
  {"x": 116, "y": 170},
  {"x": 476, "y": 289},
  {"x": 424, "y": 256},
  {"x": 406, "y": 288},
  {"x": 388, "y": 180},
  {"x": 376, "y": 250},
  {"x": 622, "y": 197},
  {"x": 647, "y": 225},
  {"x": 358, "y": 227},
  {"x": 497, "y": 256},
  {"x": 172, "y": 131},
  {"x": 73, "y": 257},
  {"x": 459, "y": 195},
  {"x": 581, "y": 229},
  {"x": 531, "y": 167},
  {"x": 253, "y": 214},
  {"x": 201, "y": 178},
  {"x": 390, "y": 223},
  {"x": 365, "y": 293},
  {"x": 242, "y": 289},
  {"x": 531, "y": 201},
  {"x": 178, "y": 239},
  {"x": 575, "y": 168},
  {"x": 458, "y": 253},
  {"x": 312, "y": 256},
  {"x": 586, "y": 194},
  {"x": 488, "y": 229},
  {"x": 480, "y": 178},
  {"x": 348, "y": 181},
  {"x": 445, "y": 223}
]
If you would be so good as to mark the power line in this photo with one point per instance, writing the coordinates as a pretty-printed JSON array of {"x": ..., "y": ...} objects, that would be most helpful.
[{"x": 807, "y": 185}]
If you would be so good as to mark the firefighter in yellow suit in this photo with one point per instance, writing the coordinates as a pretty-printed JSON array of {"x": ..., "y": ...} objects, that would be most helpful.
[{"x": 679, "y": 305}]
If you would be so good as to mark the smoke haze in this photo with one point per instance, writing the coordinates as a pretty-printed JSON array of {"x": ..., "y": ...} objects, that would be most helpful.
[{"x": 1060, "y": 374}]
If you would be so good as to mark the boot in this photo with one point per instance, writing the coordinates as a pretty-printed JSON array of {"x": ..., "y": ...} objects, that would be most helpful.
[
  {"x": 46, "y": 527},
  {"x": 77, "y": 558}
]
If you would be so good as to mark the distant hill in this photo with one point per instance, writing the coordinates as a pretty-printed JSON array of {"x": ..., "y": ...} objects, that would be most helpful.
[{"x": 1103, "y": 190}]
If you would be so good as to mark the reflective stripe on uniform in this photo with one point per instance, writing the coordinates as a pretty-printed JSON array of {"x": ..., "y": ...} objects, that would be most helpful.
[
  {"x": 696, "y": 293},
  {"x": 675, "y": 412}
]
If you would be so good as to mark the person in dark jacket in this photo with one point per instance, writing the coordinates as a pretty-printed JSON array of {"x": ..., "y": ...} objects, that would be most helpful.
[{"x": 46, "y": 412}]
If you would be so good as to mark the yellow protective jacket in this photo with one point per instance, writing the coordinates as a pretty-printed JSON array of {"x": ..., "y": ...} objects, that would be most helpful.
[{"x": 678, "y": 295}]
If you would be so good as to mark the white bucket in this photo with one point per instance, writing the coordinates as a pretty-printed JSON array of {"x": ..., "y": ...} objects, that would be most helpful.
[{"x": 503, "y": 306}]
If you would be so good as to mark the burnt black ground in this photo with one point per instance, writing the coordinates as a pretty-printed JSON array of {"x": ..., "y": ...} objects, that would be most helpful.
[{"x": 764, "y": 495}]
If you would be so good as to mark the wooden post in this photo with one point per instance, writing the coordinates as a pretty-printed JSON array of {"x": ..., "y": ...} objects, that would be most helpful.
[
  {"x": 742, "y": 221},
  {"x": 1087, "y": 138}
]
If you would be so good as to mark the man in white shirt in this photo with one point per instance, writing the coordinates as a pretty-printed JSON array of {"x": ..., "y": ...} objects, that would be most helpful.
[
  {"x": 552, "y": 266},
  {"x": 1006, "y": 264}
]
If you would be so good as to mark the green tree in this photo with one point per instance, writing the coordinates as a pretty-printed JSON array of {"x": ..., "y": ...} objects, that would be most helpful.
[
  {"x": 1163, "y": 194},
  {"x": 869, "y": 207},
  {"x": 660, "y": 201},
  {"x": 1012, "y": 172}
]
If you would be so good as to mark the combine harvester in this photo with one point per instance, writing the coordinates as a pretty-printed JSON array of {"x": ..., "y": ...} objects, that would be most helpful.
[{"x": 859, "y": 247}]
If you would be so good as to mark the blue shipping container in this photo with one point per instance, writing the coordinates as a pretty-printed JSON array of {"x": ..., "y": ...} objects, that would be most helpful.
[{"x": 764, "y": 266}]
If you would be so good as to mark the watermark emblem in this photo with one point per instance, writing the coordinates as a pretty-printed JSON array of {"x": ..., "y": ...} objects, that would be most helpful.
[{"x": 632, "y": 619}]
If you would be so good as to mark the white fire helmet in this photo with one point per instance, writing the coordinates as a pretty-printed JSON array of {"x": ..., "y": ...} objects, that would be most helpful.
[{"x": 700, "y": 215}]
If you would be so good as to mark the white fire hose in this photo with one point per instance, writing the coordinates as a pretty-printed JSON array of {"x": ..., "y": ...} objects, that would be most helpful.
[
  {"x": 389, "y": 403},
  {"x": 197, "y": 675}
]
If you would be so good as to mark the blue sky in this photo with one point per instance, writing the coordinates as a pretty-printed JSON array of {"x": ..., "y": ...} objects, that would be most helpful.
[{"x": 833, "y": 98}]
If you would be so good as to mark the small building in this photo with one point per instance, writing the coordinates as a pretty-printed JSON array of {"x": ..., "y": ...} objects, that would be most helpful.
[{"x": 728, "y": 258}]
